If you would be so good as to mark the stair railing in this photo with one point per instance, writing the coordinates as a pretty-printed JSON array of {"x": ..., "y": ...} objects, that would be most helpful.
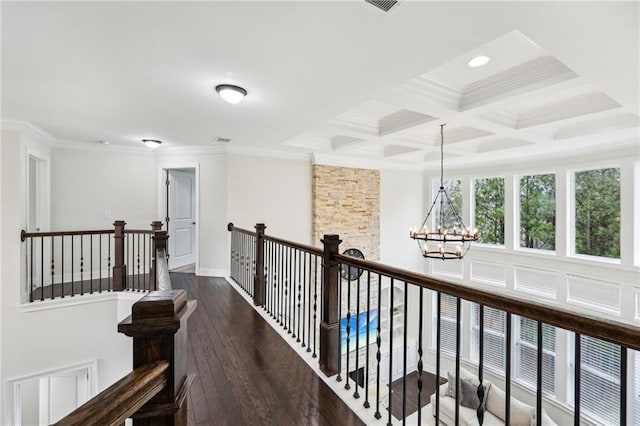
[{"x": 291, "y": 281}]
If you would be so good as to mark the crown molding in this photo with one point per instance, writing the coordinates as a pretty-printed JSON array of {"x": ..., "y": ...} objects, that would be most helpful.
[
  {"x": 97, "y": 147},
  {"x": 261, "y": 152},
  {"x": 190, "y": 150},
  {"x": 360, "y": 163},
  {"x": 31, "y": 130}
]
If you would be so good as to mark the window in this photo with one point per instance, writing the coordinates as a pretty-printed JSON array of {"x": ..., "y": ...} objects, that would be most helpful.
[
  {"x": 526, "y": 354},
  {"x": 597, "y": 212},
  {"x": 538, "y": 212},
  {"x": 599, "y": 379},
  {"x": 453, "y": 187},
  {"x": 494, "y": 337},
  {"x": 489, "y": 210},
  {"x": 447, "y": 323}
]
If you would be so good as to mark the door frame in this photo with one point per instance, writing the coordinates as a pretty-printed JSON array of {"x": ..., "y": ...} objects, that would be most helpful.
[{"x": 162, "y": 200}]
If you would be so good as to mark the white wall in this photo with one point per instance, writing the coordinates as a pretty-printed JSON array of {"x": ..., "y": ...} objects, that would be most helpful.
[
  {"x": 401, "y": 207},
  {"x": 211, "y": 216},
  {"x": 276, "y": 192},
  {"x": 86, "y": 184}
]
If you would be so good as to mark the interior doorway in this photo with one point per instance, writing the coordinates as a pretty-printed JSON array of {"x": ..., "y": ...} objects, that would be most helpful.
[{"x": 180, "y": 217}]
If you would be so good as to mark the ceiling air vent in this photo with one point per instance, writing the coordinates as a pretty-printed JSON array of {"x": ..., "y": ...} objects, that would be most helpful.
[
  {"x": 222, "y": 140},
  {"x": 385, "y": 5}
]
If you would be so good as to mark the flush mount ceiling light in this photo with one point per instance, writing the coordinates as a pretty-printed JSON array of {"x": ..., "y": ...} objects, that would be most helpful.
[
  {"x": 151, "y": 143},
  {"x": 448, "y": 237},
  {"x": 231, "y": 93},
  {"x": 478, "y": 61}
]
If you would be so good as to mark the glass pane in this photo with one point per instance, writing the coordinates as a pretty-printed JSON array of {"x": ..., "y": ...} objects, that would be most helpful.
[
  {"x": 597, "y": 212},
  {"x": 538, "y": 212},
  {"x": 489, "y": 210}
]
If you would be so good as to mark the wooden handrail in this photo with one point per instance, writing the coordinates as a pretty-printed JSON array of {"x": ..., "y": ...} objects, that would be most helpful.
[
  {"x": 609, "y": 330},
  {"x": 24, "y": 234},
  {"x": 231, "y": 227},
  {"x": 122, "y": 399},
  {"x": 292, "y": 244},
  {"x": 303, "y": 247}
]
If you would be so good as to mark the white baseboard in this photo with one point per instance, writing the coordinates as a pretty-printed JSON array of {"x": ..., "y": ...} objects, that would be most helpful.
[{"x": 212, "y": 272}]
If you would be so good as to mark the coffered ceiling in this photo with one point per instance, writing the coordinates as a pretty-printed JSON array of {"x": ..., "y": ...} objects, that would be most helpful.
[{"x": 341, "y": 79}]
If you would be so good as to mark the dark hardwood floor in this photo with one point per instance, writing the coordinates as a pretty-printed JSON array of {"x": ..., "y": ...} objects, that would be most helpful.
[{"x": 246, "y": 373}]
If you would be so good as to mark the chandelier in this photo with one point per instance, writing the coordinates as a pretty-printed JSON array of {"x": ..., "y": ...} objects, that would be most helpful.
[{"x": 443, "y": 235}]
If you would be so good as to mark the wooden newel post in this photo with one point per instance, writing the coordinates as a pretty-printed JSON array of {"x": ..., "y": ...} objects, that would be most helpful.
[
  {"x": 158, "y": 325},
  {"x": 119, "y": 268},
  {"x": 329, "y": 325},
  {"x": 259, "y": 290},
  {"x": 156, "y": 225},
  {"x": 159, "y": 243}
]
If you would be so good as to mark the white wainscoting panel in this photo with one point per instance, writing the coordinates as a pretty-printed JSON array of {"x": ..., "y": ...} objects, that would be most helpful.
[
  {"x": 449, "y": 268},
  {"x": 539, "y": 282},
  {"x": 594, "y": 294},
  {"x": 488, "y": 273}
]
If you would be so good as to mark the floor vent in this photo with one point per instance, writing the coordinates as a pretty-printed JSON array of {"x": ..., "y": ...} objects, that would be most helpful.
[
  {"x": 222, "y": 140},
  {"x": 385, "y": 5}
]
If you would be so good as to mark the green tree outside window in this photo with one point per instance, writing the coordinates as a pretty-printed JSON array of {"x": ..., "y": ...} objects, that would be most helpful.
[
  {"x": 489, "y": 210},
  {"x": 538, "y": 212},
  {"x": 597, "y": 212}
]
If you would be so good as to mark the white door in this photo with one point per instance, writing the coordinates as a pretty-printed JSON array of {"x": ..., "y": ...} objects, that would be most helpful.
[{"x": 182, "y": 217}]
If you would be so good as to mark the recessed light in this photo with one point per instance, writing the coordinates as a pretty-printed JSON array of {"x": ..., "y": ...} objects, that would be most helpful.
[
  {"x": 478, "y": 61},
  {"x": 151, "y": 143},
  {"x": 105, "y": 142},
  {"x": 231, "y": 93}
]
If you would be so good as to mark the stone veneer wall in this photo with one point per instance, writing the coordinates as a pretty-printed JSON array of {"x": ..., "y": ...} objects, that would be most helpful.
[{"x": 346, "y": 202}]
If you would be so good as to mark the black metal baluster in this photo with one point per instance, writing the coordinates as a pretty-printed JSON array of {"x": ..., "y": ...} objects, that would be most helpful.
[
  {"x": 539, "y": 377},
  {"x": 73, "y": 290},
  {"x": 458, "y": 333},
  {"x": 507, "y": 409},
  {"x": 272, "y": 273},
  {"x": 287, "y": 291},
  {"x": 144, "y": 262},
  {"x": 299, "y": 260},
  {"x": 81, "y": 264},
  {"x": 339, "y": 378},
  {"x": 623, "y": 385},
  {"x": 41, "y": 269},
  {"x": 62, "y": 266},
  {"x": 420, "y": 365},
  {"x": 356, "y": 394},
  {"x": 109, "y": 263},
  {"x": 391, "y": 287},
  {"x": 52, "y": 267},
  {"x": 366, "y": 362},
  {"x": 438, "y": 347},
  {"x": 294, "y": 257},
  {"x": 480, "y": 410},
  {"x": 577, "y": 360},
  {"x": 315, "y": 303},
  {"x": 377, "y": 414},
  {"x": 347, "y": 385},
  {"x": 404, "y": 360},
  {"x": 91, "y": 263},
  {"x": 282, "y": 279},
  {"x": 138, "y": 264},
  {"x": 31, "y": 264},
  {"x": 305, "y": 288},
  {"x": 99, "y": 264},
  {"x": 291, "y": 291}
]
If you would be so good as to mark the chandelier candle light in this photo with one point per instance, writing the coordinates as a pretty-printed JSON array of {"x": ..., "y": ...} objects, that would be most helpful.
[{"x": 450, "y": 238}]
